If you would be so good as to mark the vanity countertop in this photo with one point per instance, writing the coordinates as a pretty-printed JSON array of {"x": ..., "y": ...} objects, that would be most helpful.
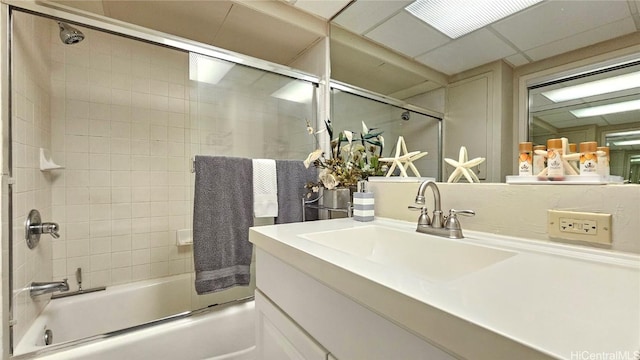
[{"x": 558, "y": 300}]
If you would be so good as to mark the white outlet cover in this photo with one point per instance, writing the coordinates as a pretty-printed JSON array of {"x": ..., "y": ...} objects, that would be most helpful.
[{"x": 600, "y": 235}]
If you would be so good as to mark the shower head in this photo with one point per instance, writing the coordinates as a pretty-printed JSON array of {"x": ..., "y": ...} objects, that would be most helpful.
[
  {"x": 70, "y": 35},
  {"x": 405, "y": 116}
]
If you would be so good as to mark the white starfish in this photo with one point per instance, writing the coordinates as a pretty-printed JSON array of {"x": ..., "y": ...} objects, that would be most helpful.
[
  {"x": 463, "y": 167},
  {"x": 404, "y": 161}
]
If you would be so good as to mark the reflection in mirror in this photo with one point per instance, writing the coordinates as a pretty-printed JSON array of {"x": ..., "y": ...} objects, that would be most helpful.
[
  {"x": 602, "y": 105},
  {"x": 420, "y": 128},
  {"x": 357, "y": 61}
]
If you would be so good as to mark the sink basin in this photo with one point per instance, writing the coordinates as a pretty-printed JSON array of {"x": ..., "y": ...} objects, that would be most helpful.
[{"x": 430, "y": 257}]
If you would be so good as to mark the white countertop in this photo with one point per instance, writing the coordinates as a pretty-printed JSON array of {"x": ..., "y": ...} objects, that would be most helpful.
[{"x": 560, "y": 300}]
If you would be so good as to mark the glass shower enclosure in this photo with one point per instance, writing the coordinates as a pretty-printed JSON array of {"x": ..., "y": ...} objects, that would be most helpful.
[{"x": 120, "y": 119}]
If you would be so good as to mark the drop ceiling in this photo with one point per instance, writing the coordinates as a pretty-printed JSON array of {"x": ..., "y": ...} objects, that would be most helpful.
[
  {"x": 544, "y": 30},
  {"x": 549, "y": 28},
  {"x": 223, "y": 23}
]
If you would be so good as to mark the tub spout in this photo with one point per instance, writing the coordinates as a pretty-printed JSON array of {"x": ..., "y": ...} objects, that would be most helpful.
[{"x": 40, "y": 288}]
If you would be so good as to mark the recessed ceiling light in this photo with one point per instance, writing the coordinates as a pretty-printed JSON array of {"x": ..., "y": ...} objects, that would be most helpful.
[
  {"x": 626, "y": 142},
  {"x": 459, "y": 17},
  {"x": 624, "y": 133},
  {"x": 607, "y": 109},
  {"x": 598, "y": 87}
]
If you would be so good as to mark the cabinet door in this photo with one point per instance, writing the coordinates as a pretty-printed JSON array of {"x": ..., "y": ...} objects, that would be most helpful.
[{"x": 279, "y": 338}]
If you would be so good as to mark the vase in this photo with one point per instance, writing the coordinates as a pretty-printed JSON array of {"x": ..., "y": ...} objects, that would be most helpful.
[{"x": 335, "y": 203}]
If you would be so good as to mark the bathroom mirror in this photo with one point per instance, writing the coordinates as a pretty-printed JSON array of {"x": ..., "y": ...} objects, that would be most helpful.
[
  {"x": 601, "y": 104},
  {"x": 519, "y": 39},
  {"x": 362, "y": 63},
  {"x": 420, "y": 128}
]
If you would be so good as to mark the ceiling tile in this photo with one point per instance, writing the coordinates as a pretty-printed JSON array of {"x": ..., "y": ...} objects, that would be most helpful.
[
  {"x": 475, "y": 49},
  {"x": 94, "y": 6},
  {"x": 365, "y": 14},
  {"x": 596, "y": 120},
  {"x": 267, "y": 38},
  {"x": 352, "y": 66},
  {"x": 554, "y": 20},
  {"x": 196, "y": 20},
  {"x": 408, "y": 35},
  {"x": 623, "y": 118},
  {"x": 517, "y": 60},
  {"x": 586, "y": 38},
  {"x": 322, "y": 8}
]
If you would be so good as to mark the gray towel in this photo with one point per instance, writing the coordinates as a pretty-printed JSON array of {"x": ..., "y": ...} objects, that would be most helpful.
[
  {"x": 292, "y": 176},
  {"x": 222, "y": 215}
]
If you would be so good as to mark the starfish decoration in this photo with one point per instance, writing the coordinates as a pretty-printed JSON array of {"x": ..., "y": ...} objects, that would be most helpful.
[
  {"x": 463, "y": 167},
  {"x": 404, "y": 161}
]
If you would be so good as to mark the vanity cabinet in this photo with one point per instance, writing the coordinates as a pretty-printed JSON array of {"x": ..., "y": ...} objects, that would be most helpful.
[
  {"x": 279, "y": 338},
  {"x": 299, "y": 317}
]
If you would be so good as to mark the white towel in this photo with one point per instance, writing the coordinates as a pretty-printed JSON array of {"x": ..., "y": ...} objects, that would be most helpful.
[{"x": 265, "y": 188}]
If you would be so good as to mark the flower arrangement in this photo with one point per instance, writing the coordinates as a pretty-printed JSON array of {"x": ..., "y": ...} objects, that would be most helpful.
[{"x": 353, "y": 157}]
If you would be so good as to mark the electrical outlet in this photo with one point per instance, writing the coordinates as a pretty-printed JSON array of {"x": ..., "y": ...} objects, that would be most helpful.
[{"x": 581, "y": 226}]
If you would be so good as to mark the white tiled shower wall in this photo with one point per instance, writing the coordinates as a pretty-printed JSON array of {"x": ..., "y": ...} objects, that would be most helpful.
[
  {"x": 31, "y": 129},
  {"x": 116, "y": 113},
  {"x": 119, "y": 113}
]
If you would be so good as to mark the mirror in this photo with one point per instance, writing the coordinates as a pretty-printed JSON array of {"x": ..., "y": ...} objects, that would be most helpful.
[
  {"x": 364, "y": 64},
  {"x": 420, "y": 130},
  {"x": 600, "y": 105},
  {"x": 519, "y": 40}
]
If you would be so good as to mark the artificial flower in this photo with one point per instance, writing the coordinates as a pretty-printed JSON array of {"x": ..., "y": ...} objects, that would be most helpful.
[
  {"x": 315, "y": 155},
  {"x": 352, "y": 158}
]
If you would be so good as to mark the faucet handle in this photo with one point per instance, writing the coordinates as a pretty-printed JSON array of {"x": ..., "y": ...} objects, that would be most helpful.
[
  {"x": 452, "y": 222},
  {"x": 462, "y": 212},
  {"x": 423, "y": 219},
  {"x": 417, "y": 208}
]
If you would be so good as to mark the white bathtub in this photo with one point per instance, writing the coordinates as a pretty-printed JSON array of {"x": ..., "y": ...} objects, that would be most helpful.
[{"x": 224, "y": 333}]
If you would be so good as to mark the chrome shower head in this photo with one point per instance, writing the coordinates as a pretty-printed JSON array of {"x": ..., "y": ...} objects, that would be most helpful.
[{"x": 70, "y": 35}]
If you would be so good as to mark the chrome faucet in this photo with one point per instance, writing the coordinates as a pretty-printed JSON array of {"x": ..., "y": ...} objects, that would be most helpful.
[
  {"x": 40, "y": 288},
  {"x": 34, "y": 227},
  {"x": 439, "y": 225}
]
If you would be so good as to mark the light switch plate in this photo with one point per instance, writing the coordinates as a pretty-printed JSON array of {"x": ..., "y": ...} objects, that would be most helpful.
[{"x": 581, "y": 226}]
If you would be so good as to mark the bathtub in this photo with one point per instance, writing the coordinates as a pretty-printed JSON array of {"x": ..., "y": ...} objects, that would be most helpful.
[{"x": 224, "y": 332}]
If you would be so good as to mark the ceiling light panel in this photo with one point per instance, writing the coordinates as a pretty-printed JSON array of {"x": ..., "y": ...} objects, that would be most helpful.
[
  {"x": 459, "y": 17},
  {"x": 598, "y": 87},
  {"x": 607, "y": 109},
  {"x": 624, "y": 133},
  {"x": 626, "y": 143}
]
